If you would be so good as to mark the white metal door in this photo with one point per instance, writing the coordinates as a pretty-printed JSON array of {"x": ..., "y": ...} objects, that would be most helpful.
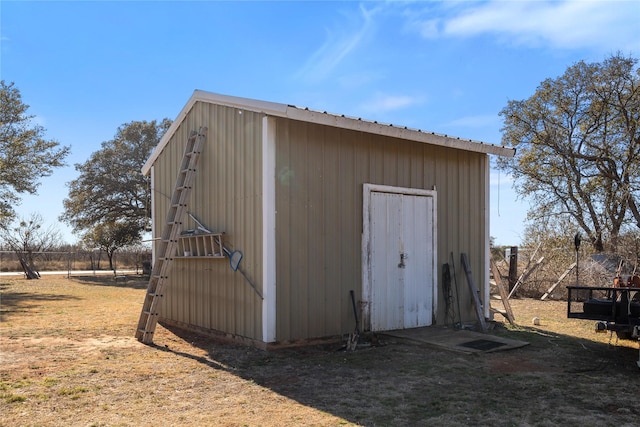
[{"x": 402, "y": 260}]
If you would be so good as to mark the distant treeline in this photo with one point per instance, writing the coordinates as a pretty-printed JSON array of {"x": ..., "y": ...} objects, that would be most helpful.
[{"x": 74, "y": 259}]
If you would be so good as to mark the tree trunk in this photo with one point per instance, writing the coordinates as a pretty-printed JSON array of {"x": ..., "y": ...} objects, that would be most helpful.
[
  {"x": 110, "y": 256},
  {"x": 634, "y": 211},
  {"x": 597, "y": 243}
]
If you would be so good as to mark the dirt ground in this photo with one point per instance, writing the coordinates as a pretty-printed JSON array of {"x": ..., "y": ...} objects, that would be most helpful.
[{"x": 68, "y": 357}]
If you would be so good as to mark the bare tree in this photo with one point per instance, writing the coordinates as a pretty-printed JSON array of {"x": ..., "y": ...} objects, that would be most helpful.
[{"x": 28, "y": 239}]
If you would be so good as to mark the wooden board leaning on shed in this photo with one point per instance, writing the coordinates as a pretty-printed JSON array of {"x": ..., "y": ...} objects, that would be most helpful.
[
  {"x": 497, "y": 277},
  {"x": 474, "y": 292}
]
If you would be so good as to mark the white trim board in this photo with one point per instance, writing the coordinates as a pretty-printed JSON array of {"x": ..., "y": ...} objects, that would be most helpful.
[{"x": 269, "y": 229}]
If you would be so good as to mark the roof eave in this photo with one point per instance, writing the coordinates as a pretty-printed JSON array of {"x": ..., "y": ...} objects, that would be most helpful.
[
  {"x": 397, "y": 132},
  {"x": 270, "y": 108},
  {"x": 323, "y": 118}
]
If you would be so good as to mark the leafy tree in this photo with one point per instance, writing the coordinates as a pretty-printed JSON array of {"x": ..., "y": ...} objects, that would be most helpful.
[
  {"x": 578, "y": 149},
  {"x": 111, "y": 236},
  {"x": 111, "y": 188},
  {"x": 25, "y": 156}
]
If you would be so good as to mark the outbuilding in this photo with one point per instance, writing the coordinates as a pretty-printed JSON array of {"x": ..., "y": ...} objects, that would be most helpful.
[{"x": 320, "y": 205}]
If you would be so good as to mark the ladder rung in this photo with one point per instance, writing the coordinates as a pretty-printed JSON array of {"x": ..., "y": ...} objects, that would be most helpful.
[{"x": 174, "y": 217}]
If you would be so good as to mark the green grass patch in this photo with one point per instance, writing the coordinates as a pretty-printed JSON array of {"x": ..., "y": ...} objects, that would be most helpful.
[
  {"x": 74, "y": 392},
  {"x": 7, "y": 385},
  {"x": 50, "y": 382},
  {"x": 12, "y": 398}
]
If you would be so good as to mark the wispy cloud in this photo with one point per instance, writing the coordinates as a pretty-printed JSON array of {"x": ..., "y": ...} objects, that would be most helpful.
[
  {"x": 382, "y": 103},
  {"x": 339, "y": 44},
  {"x": 606, "y": 25}
]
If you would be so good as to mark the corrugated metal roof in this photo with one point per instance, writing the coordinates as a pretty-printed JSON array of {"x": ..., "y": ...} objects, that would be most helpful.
[{"x": 328, "y": 119}]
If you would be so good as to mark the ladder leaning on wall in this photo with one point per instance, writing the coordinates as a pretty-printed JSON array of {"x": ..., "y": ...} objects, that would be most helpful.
[{"x": 169, "y": 241}]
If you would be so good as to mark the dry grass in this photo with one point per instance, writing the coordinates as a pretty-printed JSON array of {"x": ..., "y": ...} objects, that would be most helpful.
[{"x": 69, "y": 358}]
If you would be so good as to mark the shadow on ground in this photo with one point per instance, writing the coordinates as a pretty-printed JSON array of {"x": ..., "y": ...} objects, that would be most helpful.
[
  {"x": 401, "y": 382},
  {"x": 133, "y": 281},
  {"x": 12, "y": 302}
]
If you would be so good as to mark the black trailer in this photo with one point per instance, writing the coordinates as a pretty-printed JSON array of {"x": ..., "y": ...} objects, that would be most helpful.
[{"x": 614, "y": 309}]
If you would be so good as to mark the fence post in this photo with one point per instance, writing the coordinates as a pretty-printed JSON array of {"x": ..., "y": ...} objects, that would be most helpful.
[{"x": 513, "y": 267}]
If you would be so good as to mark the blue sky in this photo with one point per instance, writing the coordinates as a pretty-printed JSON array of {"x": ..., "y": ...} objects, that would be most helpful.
[{"x": 86, "y": 68}]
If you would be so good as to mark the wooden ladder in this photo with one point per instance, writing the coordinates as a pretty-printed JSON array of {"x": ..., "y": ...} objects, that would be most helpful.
[{"x": 169, "y": 240}]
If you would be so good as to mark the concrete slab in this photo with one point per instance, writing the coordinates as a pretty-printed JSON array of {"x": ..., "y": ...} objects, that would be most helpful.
[{"x": 464, "y": 341}]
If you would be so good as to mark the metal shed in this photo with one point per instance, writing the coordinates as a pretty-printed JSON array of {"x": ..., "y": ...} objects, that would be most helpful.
[{"x": 320, "y": 204}]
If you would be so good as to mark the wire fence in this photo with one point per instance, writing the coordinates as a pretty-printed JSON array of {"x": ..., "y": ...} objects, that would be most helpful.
[
  {"x": 561, "y": 267},
  {"x": 68, "y": 261}
]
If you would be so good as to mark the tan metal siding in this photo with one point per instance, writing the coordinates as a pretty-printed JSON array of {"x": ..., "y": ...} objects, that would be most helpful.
[
  {"x": 226, "y": 197},
  {"x": 321, "y": 171}
]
